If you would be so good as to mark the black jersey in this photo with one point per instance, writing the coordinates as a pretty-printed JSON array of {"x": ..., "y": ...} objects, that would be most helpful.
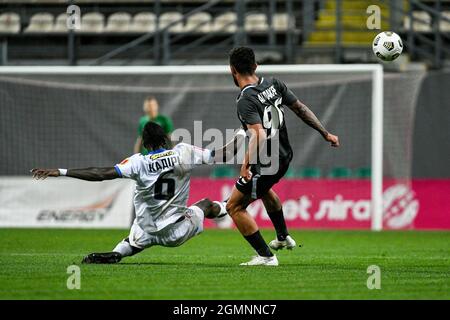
[{"x": 265, "y": 103}]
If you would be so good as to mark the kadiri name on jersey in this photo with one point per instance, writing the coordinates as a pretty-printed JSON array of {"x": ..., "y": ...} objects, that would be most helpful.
[{"x": 166, "y": 160}]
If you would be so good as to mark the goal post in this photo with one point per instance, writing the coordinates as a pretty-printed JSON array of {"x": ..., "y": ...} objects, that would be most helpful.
[{"x": 374, "y": 71}]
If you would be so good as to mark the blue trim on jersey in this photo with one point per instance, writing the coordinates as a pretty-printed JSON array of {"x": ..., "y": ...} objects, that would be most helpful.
[
  {"x": 157, "y": 151},
  {"x": 118, "y": 170}
]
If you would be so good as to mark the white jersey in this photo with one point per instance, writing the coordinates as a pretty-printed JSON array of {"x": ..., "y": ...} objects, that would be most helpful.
[{"x": 162, "y": 183}]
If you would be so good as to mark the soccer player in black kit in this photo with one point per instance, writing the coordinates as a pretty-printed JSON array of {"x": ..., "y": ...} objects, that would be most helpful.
[{"x": 260, "y": 108}]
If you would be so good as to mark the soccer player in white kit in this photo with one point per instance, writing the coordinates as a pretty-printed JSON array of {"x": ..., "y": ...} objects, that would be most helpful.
[{"x": 162, "y": 190}]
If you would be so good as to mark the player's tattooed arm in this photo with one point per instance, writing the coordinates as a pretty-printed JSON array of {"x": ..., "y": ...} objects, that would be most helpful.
[
  {"x": 304, "y": 113},
  {"x": 89, "y": 174}
]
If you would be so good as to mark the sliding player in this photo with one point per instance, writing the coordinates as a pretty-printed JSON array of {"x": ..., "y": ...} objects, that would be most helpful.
[
  {"x": 260, "y": 108},
  {"x": 162, "y": 190}
]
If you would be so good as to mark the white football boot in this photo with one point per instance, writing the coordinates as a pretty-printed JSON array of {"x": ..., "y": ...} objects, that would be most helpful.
[
  {"x": 289, "y": 244},
  {"x": 262, "y": 261}
]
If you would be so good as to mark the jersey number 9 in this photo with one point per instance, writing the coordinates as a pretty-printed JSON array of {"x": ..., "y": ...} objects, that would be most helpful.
[{"x": 273, "y": 118}]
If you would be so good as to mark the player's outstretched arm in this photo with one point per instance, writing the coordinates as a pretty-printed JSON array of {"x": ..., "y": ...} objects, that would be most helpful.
[
  {"x": 89, "y": 174},
  {"x": 230, "y": 149},
  {"x": 304, "y": 113}
]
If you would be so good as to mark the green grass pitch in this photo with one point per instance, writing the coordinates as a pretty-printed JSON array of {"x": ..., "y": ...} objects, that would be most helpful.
[{"x": 330, "y": 265}]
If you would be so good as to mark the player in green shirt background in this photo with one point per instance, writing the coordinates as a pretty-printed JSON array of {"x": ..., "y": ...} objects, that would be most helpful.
[{"x": 151, "y": 110}]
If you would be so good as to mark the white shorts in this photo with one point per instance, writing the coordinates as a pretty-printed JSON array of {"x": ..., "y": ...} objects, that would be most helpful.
[{"x": 173, "y": 235}]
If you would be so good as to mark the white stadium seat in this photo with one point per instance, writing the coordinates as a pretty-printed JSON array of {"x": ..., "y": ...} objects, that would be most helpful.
[
  {"x": 40, "y": 22},
  {"x": 423, "y": 25},
  {"x": 256, "y": 22},
  {"x": 280, "y": 21},
  {"x": 225, "y": 22},
  {"x": 118, "y": 22},
  {"x": 199, "y": 22},
  {"x": 445, "y": 25},
  {"x": 9, "y": 22},
  {"x": 60, "y": 25},
  {"x": 166, "y": 18},
  {"x": 92, "y": 22},
  {"x": 143, "y": 22}
]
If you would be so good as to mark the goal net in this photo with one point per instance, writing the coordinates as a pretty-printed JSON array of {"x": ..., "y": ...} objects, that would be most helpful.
[{"x": 87, "y": 116}]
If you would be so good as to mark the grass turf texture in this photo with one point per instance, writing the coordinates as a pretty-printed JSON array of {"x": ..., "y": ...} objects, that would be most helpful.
[{"x": 330, "y": 265}]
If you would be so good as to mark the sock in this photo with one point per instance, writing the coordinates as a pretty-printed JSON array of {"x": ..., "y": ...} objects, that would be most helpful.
[
  {"x": 223, "y": 211},
  {"x": 278, "y": 222},
  {"x": 258, "y": 243},
  {"x": 125, "y": 249}
]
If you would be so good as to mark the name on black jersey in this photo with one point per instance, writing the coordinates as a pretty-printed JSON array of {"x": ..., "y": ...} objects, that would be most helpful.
[
  {"x": 267, "y": 94},
  {"x": 163, "y": 163}
]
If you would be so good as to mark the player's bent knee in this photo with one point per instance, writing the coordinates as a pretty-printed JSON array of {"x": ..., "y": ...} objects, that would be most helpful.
[{"x": 233, "y": 208}]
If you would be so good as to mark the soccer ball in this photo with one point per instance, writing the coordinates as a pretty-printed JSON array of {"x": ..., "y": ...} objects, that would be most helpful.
[{"x": 387, "y": 46}]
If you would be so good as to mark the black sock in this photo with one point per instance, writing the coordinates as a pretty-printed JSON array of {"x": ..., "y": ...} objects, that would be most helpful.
[
  {"x": 257, "y": 242},
  {"x": 277, "y": 219}
]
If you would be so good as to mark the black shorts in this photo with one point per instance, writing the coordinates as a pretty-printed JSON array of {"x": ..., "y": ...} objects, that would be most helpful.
[{"x": 259, "y": 185}]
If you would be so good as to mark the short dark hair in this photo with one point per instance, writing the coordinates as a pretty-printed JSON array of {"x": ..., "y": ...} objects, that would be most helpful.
[
  {"x": 243, "y": 60},
  {"x": 154, "y": 136},
  {"x": 150, "y": 98}
]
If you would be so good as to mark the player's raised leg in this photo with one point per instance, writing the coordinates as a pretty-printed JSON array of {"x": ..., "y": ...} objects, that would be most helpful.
[
  {"x": 237, "y": 209},
  {"x": 211, "y": 209},
  {"x": 274, "y": 210}
]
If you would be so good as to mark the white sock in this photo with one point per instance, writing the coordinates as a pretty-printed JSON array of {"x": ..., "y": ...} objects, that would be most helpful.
[
  {"x": 123, "y": 248},
  {"x": 223, "y": 211}
]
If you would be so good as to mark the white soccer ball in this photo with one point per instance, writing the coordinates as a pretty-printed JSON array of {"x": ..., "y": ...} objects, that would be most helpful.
[{"x": 387, "y": 46}]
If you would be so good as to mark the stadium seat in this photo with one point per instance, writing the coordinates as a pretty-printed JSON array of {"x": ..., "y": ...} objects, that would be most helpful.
[
  {"x": 363, "y": 173},
  {"x": 256, "y": 22},
  {"x": 422, "y": 24},
  {"x": 309, "y": 173},
  {"x": 143, "y": 22},
  {"x": 9, "y": 22},
  {"x": 60, "y": 25},
  {"x": 118, "y": 22},
  {"x": 444, "y": 26},
  {"x": 340, "y": 173},
  {"x": 40, "y": 22},
  {"x": 280, "y": 22},
  {"x": 223, "y": 172},
  {"x": 225, "y": 23},
  {"x": 167, "y": 18},
  {"x": 199, "y": 22},
  {"x": 92, "y": 22}
]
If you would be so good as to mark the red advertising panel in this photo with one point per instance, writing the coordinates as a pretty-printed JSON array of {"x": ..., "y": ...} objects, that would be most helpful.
[{"x": 344, "y": 204}]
